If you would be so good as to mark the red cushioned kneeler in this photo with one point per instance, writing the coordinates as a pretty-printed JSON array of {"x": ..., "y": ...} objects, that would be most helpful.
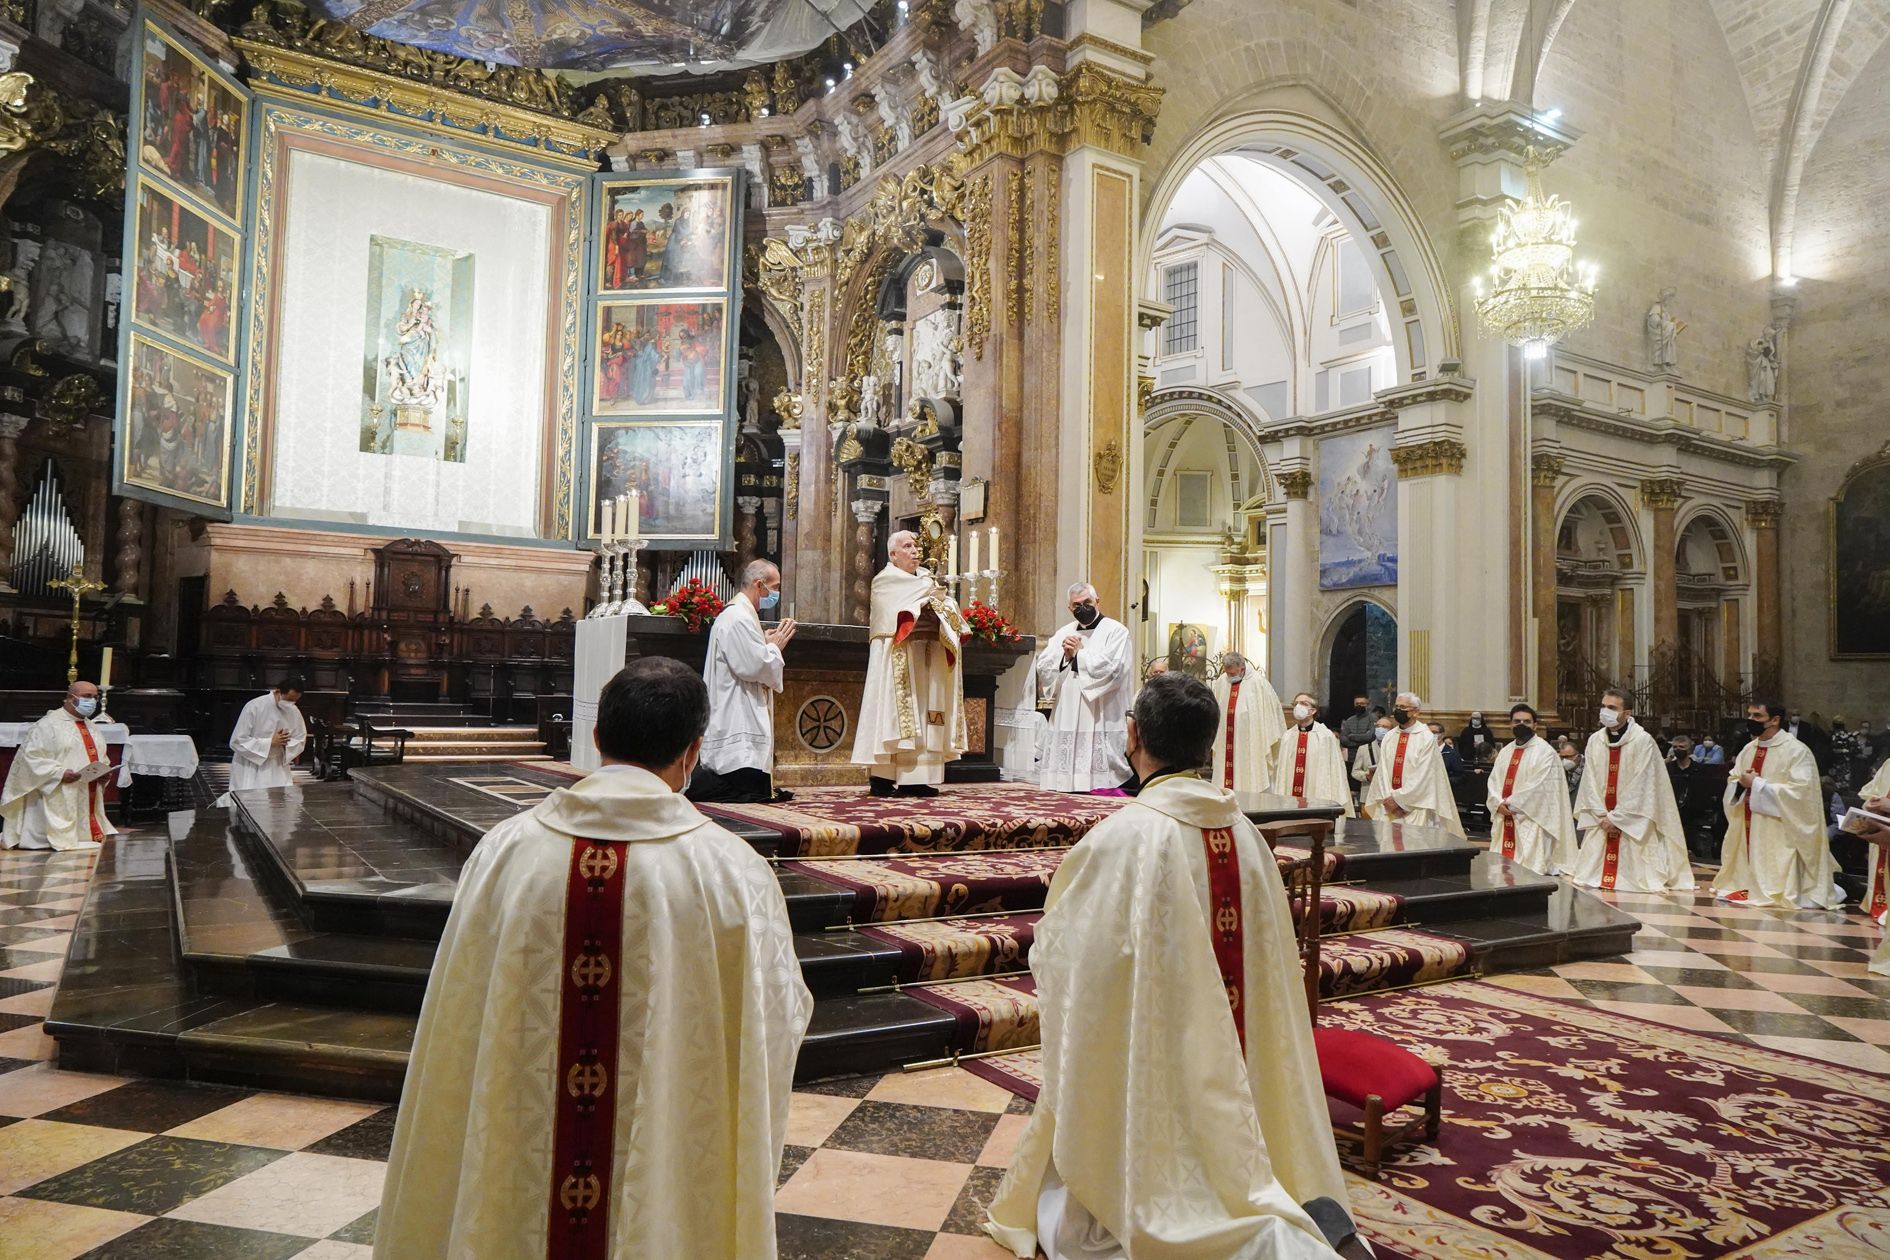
[{"x": 1379, "y": 1076}]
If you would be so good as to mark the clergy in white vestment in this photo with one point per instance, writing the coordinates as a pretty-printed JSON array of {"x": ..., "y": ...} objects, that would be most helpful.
[
  {"x": 1410, "y": 784},
  {"x": 1632, "y": 837},
  {"x": 1087, "y": 671},
  {"x": 268, "y": 739},
  {"x": 1530, "y": 819},
  {"x": 1181, "y": 1112},
  {"x": 1250, "y": 728},
  {"x": 52, "y": 799},
  {"x": 743, "y": 668},
  {"x": 912, "y": 712},
  {"x": 1776, "y": 852},
  {"x": 1310, "y": 763},
  {"x": 1876, "y": 798},
  {"x": 1878, "y": 837},
  {"x": 611, "y": 1024}
]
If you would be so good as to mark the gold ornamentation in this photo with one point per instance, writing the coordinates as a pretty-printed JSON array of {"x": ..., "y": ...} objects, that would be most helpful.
[
  {"x": 1296, "y": 484},
  {"x": 1545, "y": 470},
  {"x": 850, "y": 448},
  {"x": 814, "y": 365},
  {"x": 1108, "y": 466},
  {"x": 790, "y": 407},
  {"x": 1015, "y": 273},
  {"x": 1764, "y": 513},
  {"x": 29, "y": 114},
  {"x": 777, "y": 269},
  {"x": 1052, "y": 241},
  {"x": 1437, "y": 457},
  {"x": 915, "y": 461},
  {"x": 787, "y": 186},
  {"x": 849, "y": 170},
  {"x": 1144, "y": 391},
  {"x": 977, "y": 217},
  {"x": 1663, "y": 494},
  {"x": 843, "y": 397},
  {"x": 792, "y": 491},
  {"x": 924, "y": 116},
  {"x": 1092, "y": 106},
  {"x": 72, "y": 401}
]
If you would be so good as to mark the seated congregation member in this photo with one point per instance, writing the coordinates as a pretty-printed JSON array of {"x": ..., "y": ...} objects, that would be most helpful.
[
  {"x": 743, "y": 671},
  {"x": 1181, "y": 1112},
  {"x": 1530, "y": 819},
  {"x": 1776, "y": 851},
  {"x": 1310, "y": 764},
  {"x": 612, "y": 1021},
  {"x": 1411, "y": 783},
  {"x": 1250, "y": 727},
  {"x": 47, "y": 803},
  {"x": 1632, "y": 839},
  {"x": 269, "y": 737}
]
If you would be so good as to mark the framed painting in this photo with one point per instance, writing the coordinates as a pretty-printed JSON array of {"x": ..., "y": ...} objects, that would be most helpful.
[
  {"x": 184, "y": 272},
  {"x": 1188, "y": 648},
  {"x": 1860, "y": 563},
  {"x": 677, "y": 468},
  {"x": 1358, "y": 511},
  {"x": 665, "y": 234},
  {"x": 191, "y": 123},
  {"x": 660, "y": 358},
  {"x": 177, "y": 425}
]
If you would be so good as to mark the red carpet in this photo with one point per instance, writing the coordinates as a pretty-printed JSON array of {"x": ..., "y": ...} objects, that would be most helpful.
[
  {"x": 835, "y": 821},
  {"x": 1387, "y": 959},
  {"x": 1349, "y": 908},
  {"x": 924, "y": 886},
  {"x": 991, "y": 1014},
  {"x": 948, "y": 949}
]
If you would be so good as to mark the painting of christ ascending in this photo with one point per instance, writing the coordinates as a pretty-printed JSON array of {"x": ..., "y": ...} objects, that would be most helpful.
[{"x": 660, "y": 358}]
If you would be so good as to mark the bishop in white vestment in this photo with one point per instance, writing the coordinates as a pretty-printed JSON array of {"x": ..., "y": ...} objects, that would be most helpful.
[
  {"x": 1310, "y": 763},
  {"x": 1249, "y": 734},
  {"x": 743, "y": 668},
  {"x": 1530, "y": 819},
  {"x": 1087, "y": 670},
  {"x": 1876, "y": 798},
  {"x": 1776, "y": 852},
  {"x": 268, "y": 739},
  {"x": 912, "y": 712},
  {"x": 1632, "y": 837},
  {"x": 47, "y": 803},
  {"x": 605, "y": 1054},
  {"x": 1410, "y": 784},
  {"x": 1181, "y": 1114}
]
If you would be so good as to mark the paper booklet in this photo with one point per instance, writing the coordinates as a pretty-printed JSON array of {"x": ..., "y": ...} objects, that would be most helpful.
[
  {"x": 93, "y": 771},
  {"x": 1857, "y": 820}
]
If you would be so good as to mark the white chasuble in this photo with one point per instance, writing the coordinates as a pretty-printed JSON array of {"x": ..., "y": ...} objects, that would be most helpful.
[
  {"x": 1087, "y": 746},
  {"x": 1877, "y": 900},
  {"x": 1411, "y": 775},
  {"x": 37, "y": 809},
  {"x": 611, "y": 1026},
  {"x": 1625, "y": 782},
  {"x": 255, "y": 761},
  {"x": 1540, "y": 832},
  {"x": 912, "y": 712},
  {"x": 1310, "y": 765},
  {"x": 743, "y": 672},
  {"x": 1250, "y": 730},
  {"x": 1776, "y": 852},
  {"x": 1181, "y": 1113}
]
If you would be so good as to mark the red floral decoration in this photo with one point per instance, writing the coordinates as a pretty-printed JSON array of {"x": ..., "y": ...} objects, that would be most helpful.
[
  {"x": 695, "y": 601},
  {"x": 989, "y": 624}
]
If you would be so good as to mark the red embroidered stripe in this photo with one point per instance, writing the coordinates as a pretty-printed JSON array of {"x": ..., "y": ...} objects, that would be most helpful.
[
  {"x": 1758, "y": 765},
  {"x": 1223, "y": 864},
  {"x": 1611, "y": 862},
  {"x": 1509, "y": 822},
  {"x": 1227, "y": 759},
  {"x": 93, "y": 791},
  {"x": 1299, "y": 766},
  {"x": 1881, "y": 896},
  {"x": 578, "y": 1226},
  {"x": 1397, "y": 763}
]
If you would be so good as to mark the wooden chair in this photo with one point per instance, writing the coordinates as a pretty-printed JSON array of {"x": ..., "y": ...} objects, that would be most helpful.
[
  {"x": 1304, "y": 879},
  {"x": 363, "y": 744}
]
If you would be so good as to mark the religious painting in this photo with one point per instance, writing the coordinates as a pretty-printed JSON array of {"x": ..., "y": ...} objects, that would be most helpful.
[
  {"x": 192, "y": 124},
  {"x": 656, "y": 358},
  {"x": 184, "y": 274},
  {"x": 1188, "y": 649},
  {"x": 1358, "y": 511},
  {"x": 1860, "y": 563},
  {"x": 416, "y": 363},
  {"x": 177, "y": 425},
  {"x": 664, "y": 234},
  {"x": 676, "y": 467}
]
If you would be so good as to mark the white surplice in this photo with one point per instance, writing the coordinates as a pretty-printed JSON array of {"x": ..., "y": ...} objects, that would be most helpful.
[
  {"x": 254, "y": 760},
  {"x": 712, "y": 1011},
  {"x": 1410, "y": 774},
  {"x": 1310, "y": 764},
  {"x": 1651, "y": 855},
  {"x": 1541, "y": 833},
  {"x": 1877, "y": 900},
  {"x": 1776, "y": 852},
  {"x": 1087, "y": 746},
  {"x": 1252, "y": 709},
  {"x": 912, "y": 709},
  {"x": 37, "y": 810},
  {"x": 743, "y": 672},
  {"x": 1154, "y": 1129}
]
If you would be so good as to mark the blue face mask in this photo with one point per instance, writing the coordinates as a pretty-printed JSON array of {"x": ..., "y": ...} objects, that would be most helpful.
[
  {"x": 771, "y": 600},
  {"x": 86, "y": 705}
]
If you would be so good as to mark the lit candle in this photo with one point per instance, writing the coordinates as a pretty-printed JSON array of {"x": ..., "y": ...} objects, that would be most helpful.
[
  {"x": 994, "y": 550},
  {"x": 633, "y": 506},
  {"x": 951, "y": 556},
  {"x": 604, "y": 519},
  {"x": 105, "y": 669},
  {"x": 972, "y": 551}
]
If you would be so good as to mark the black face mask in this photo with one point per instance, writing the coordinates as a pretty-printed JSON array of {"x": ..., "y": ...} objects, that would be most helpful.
[
  {"x": 1401, "y": 716},
  {"x": 1524, "y": 733},
  {"x": 1756, "y": 728},
  {"x": 1086, "y": 615}
]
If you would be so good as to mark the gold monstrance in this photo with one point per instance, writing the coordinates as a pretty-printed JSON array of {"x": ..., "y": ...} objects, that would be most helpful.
[{"x": 80, "y": 588}]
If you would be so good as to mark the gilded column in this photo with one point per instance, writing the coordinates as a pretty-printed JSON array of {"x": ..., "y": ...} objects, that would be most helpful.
[
  {"x": 1545, "y": 471},
  {"x": 1662, "y": 497},
  {"x": 1768, "y": 647}
]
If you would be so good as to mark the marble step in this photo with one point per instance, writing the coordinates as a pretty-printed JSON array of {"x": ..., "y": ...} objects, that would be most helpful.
[
  {"x": 473, "y": 734},
  {"x": 440, "y": 758}
]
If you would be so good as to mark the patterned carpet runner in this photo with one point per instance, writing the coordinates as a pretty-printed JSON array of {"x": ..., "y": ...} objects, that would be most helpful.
[
  {"x": 928, "y": 885},
  {"x": 1347, "y": 908},
  {"x": 948, "y": 949},
  {"x": 836, "y": 821},
  {"x": 1387, "y": 959},
  {"x": 991, "y": 1014}
]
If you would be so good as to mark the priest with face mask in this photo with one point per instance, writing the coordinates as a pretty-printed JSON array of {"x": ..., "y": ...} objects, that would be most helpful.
[
  {"x": 1087, "y": 670},
  {"x": 1250, "y": 729},
  {"x": 1308, "y": 762},
  {"x": 1410, "y": 784},
  {"x": 268, "y": 740},
  {"x": 743, "y": 667},
  {"x": 1776, "y": 852},
  {"x": 1530, "y": 820},
  {"x": 912, "y": 713},
  {"x": 1632, "y": 837},
  {"x": 49, "y": 801}
]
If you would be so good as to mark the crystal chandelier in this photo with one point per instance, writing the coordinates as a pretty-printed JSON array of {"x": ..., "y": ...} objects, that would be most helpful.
[{"x": 1536, "y": 293}]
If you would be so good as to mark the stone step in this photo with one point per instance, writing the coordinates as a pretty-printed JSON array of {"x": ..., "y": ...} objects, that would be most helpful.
[
  {"x": 472, "y": 734},
  {"x": 514, "y": 749},
  {"x": 442, "y": 758}
]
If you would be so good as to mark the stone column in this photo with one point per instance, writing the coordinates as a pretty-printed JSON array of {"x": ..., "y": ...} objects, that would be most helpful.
[
  {"x": 1662, "y": 497},
  {"x": 1431, "y": 573},
  {"x": 1769, "y": 640},
  {"x": 11, "y": 426},
  {"x": 1545, "y": 471},
  {"x": 865, "y": 553},
  {"x": 129, "y": 559},
  {"x": 1296, "y": 571}
]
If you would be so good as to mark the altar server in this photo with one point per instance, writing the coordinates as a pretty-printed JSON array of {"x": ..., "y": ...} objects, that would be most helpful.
[
  {"x": 912, "y": 714},
  {"x": 1087, "y": 670},
  {"x": 1776, "y": 851},
  {"x": 1181, "y": 1113},
  {"x": 1310, "y": 764},
  {"x": 47, "y": 802},
  {"x": 1530, "y": 819},
  {"x": 1632, "y": 838},
  {"x": 268, "y": 739},
  {"x": 1410, "y": 783},
  {"x": 605, "y": 1053},
  {"x": 743, "y": 670},
  {"x": 1876, "y": 798},
  {"x": 1250, "y": 728}
]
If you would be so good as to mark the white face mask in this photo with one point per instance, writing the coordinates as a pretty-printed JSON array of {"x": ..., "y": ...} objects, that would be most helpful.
[
  {"x": 1381, "y": 732},
  {"x": 1302, "y": 712},
  {"x": 1610, "y": 718}
]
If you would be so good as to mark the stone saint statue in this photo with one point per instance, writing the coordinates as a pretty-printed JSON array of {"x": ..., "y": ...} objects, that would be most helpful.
[
  {"x": 1762, "y": 366},
  {"x": 869, "y": 400},
  {"x": 1663, "y": 331}
]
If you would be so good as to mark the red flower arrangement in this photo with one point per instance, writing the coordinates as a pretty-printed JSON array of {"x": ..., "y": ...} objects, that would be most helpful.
[
  {"x": 695, "y": 601},
  {"x": 989, "y": 624}
]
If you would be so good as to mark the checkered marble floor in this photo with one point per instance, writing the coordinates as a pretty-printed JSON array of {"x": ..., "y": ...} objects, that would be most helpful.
[{"x": 890, "y": 1168}]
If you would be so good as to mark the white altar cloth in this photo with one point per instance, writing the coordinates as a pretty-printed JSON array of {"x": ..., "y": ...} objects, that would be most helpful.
[{"x": 167, "y": 756}]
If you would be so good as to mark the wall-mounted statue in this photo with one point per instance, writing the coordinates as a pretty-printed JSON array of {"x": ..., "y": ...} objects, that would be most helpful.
[
  {"x": 1663, "y": 333},
  {"x": 1762, "y": 366},
  {"x": 869, "y": 400},
  {"x": 934, "y": 362}
]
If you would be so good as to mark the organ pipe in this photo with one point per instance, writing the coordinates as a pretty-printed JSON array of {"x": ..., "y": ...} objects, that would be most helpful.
[{"x": 45, "y": 544}]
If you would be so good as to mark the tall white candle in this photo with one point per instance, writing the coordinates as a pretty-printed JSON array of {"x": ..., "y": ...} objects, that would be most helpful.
[
  {"x": 604, "y": 519},
  {"x": 995, "y": 566},
  {"x": 972, "y": 551},
  {"x": 105, "y": 669},
  {"x": 951, "y": 556},
  {"x": 634, "y": 506}
]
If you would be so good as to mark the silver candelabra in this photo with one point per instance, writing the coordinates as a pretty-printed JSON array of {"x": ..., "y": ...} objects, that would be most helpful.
[
  {"x": 617, "y": 588},
  {"x": 971, "y": 581}
]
